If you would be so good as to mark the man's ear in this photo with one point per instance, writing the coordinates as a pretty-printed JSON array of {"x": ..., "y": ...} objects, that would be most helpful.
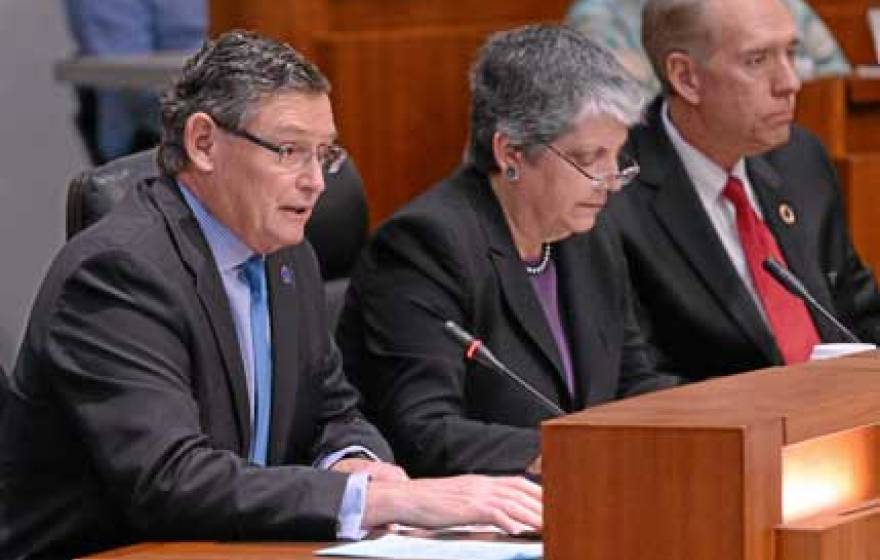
[
  {"x": 508, "y": 157},
  {"x": 199, "y": 140},
  {"x": 683, "y": 75}
]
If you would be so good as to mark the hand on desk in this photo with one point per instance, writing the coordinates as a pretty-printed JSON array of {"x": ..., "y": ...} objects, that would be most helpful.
[
  {"x": 376, "y": 469},
  {"x": 510, "y": 503},
  {"x": 534, "y": 469}
]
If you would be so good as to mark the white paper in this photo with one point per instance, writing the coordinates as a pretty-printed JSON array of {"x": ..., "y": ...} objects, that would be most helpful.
[
  {"x": 397, "y": 528},
  {"x": 834, "y": 350},
  {"x": 865, "y": 71},
  {"x": 414, "y": 548}
]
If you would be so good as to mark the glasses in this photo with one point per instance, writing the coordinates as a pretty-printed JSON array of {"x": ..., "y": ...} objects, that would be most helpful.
[
  {"x": 296, "y": 156},
  {"x": 627, "y": 166}
]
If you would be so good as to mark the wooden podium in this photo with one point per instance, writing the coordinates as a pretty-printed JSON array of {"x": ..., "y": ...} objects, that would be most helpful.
[{"x": 780, "y": 464}]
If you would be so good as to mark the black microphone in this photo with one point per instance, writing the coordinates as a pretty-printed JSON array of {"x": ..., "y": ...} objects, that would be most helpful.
[
  {"x": 475, "y": 350},
  {"x": 793, "y": 284}
]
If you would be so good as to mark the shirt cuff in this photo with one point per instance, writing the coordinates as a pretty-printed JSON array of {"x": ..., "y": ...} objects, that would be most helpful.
[
  {"x": 351, "y": 512},
  {"x": 328, "y": 461}
]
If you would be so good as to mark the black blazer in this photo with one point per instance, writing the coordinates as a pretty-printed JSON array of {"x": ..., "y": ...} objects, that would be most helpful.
[
  {"x": 692, "y": 304},
  {"x": 449, "y": 255},
  {"x": 128, "y": 417}
]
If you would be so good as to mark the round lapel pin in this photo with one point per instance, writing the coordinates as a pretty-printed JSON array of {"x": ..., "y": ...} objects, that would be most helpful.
[{"x": 786, "y": 214}]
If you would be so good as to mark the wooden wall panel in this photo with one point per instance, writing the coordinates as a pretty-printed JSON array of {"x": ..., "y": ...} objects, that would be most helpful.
[
  {"x": 399, "y": 72},
  {"x": 821, "y": 108},
  {"x": 359, "y": 15},
  {"x": 406, "y": 124},
  {"x": 847, "y": 19},
  {"x": 860, "y": 177}
]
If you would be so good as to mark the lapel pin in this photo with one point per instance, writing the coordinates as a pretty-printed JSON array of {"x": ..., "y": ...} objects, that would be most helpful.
[
  {"x": 286, "y": 274},
  {"x": 786, "y": 213}
]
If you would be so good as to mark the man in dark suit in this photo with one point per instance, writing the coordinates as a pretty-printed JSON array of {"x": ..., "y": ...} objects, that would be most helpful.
[
  {"x": 177, "y": 380},
  {"x": 726, "y": 181}
]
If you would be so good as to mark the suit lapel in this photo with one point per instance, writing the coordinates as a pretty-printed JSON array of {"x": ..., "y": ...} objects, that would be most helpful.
[
  {"x": 196, "y": 255},
  {"x": 770, "y": 191},
  {"x": 586, "y": 340},
  {"x": 285, "y": 311},
  {"x": 679, "y": 210},
  {"x": 516, "y": 287}
]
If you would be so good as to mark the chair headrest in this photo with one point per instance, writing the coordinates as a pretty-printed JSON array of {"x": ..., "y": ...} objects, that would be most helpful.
[
  {"x": 337, "y": 229},
  {"x": 92, "y": 193}
]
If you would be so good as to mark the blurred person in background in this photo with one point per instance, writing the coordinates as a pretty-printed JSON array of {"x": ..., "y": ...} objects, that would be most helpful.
[
  {"x": 617, "y": 25},
  {"x": 116, "y": 122}
]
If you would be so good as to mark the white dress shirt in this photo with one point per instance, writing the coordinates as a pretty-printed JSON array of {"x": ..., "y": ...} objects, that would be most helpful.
[{"x": 709, "y": 180}]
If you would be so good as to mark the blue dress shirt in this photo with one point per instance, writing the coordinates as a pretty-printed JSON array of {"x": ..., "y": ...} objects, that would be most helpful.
[
  {"x": 229, "y": 253},
  {"x": 128, "y": 27}
]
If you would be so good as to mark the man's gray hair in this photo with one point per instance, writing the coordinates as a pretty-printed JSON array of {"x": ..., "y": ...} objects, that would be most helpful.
[
  {"x": 226, "y": 79},
  {"x": 670, "y": 26},
  {"x": 533, "y": 83}
]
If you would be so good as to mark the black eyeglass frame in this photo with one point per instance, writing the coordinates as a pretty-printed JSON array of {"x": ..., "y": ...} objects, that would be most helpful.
[{"x": 331, "y": 163}]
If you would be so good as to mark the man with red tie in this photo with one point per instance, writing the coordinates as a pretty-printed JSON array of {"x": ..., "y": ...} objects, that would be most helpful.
[{"x": 726, "y": 182}]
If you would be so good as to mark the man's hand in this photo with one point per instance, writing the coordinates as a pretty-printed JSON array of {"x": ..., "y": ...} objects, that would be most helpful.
[
  {"x": 376, "y": 469},
  {"x": 535, "y": 468},
  {"x": 510, "y": 503}
]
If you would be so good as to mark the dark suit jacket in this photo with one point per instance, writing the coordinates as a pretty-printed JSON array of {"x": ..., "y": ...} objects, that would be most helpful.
[
  {"x": 449, "y": 255},
  {"x": 692, "y": 304},
  {"x": 128, "y": 417}
]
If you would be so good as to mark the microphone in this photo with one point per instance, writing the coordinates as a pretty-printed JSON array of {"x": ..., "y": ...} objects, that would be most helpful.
[
  {"x": 793, "y": 284},
  {"x": 476, "y": 351}
]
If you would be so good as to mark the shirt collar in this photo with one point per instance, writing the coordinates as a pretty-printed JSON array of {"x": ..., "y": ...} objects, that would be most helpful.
[
  {"x": 707, "y": 176},
  {"x": 229, "y": 251}
]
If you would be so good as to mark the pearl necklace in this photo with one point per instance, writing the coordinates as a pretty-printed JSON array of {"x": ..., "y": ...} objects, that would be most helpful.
[{"x": 539, "y": 268}]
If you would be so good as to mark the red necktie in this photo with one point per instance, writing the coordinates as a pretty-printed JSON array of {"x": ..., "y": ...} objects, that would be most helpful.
[{"x": 788, "y": 317}]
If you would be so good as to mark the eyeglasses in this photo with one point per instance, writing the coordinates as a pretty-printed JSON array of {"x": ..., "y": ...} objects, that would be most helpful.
[
  {"x": 627, "y": 166},
  {"x": 295, "y": 156}
]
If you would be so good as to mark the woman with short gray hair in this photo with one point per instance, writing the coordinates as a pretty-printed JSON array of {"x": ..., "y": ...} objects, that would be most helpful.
[{"x": 509, "y": 248}]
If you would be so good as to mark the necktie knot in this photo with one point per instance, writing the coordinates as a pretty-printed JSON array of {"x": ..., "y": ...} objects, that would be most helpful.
[
  {"x": 735, "y": 192},
  {"x": 253, "y": 271}
]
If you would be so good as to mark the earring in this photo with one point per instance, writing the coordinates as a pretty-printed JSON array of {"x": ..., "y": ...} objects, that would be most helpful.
[{"x": 511, "y": 173}]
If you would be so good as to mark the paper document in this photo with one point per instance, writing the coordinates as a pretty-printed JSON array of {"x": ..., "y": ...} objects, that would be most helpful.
[
  {"x": 414, "y": 548},
  {"x": 837, "y": 349}
]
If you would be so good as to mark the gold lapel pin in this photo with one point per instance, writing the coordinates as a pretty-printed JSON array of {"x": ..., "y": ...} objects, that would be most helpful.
[{"x": 786, "y": 213}]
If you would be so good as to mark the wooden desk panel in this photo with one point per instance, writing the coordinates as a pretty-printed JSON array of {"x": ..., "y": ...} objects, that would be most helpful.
[
  {"x": 203, "y": 550},
  {"x": 825, "y": 538},
  {"x": 212, "y": 551},
  {"x": 696, "y": 471}
]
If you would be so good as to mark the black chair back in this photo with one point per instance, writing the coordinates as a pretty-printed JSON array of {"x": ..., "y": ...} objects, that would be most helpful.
[
  {"x": 337, "y": 229},
  {"x": 4, "y": 387}
]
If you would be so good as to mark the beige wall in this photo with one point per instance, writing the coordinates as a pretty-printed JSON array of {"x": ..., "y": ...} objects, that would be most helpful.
[{"x": 39, "y": 150}]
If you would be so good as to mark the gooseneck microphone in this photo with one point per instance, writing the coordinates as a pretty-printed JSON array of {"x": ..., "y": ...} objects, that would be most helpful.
[
  {"x": 476, "y": 351},
  {"x": 793, "y": 284}
]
